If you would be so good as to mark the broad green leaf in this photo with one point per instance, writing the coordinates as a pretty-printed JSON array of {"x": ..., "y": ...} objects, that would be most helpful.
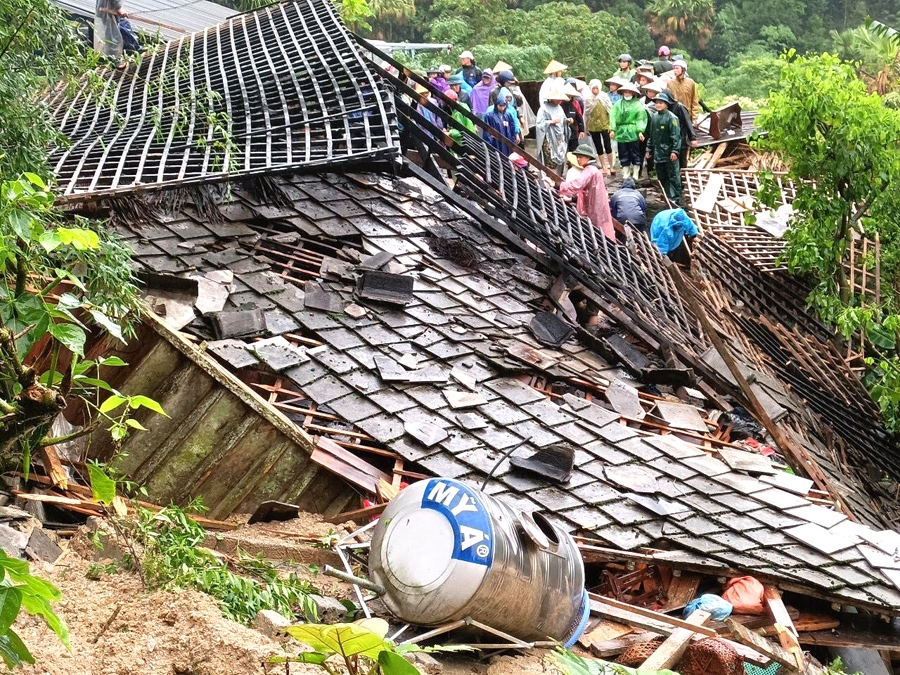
[
  {"x": 394, "y": 664},
  {"x": 103, "y": 487},
  {"x": 40, "y": 607},
  {"x": 35, "y": 180},
  {"x": 108, "y": 324},
  {"x": 345, "y": 639},
  {"x": 13, "y": 650},
  {"x": 71, "y": 336},
  {"x": 111, "y": 361},
  {"x": 49, "y": 241},
  {"x": 83, "y": 381},
  {"x": 68, "y": 301},
  {"x": 147, "y": 402},
  {"x": 10, "y": 602},
  {"x": 134, "y": 424},
  {"x": 111, "y": 403},
  {"x": 79, "y": 239},
  {"x": 378, "y": 626}
]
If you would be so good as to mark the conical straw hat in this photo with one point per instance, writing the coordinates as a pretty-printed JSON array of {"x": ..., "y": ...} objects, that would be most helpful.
[
  {"x": 501, "y": 66},
  {"x": 554, "y": 67}
]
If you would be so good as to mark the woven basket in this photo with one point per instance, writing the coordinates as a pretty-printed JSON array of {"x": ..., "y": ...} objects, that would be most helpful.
[
  {"x": 711, "y": 657},
  {"x": 635, "y": 655}
]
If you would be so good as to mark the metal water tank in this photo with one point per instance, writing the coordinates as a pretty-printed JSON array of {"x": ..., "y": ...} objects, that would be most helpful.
[{"x": 444, "y": 551}]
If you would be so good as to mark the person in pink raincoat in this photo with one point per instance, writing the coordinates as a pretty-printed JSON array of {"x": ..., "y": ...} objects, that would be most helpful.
[{"x": 590, "y": 189}]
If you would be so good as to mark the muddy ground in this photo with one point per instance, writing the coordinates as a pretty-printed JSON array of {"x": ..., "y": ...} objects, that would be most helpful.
[{"x": 183, "y": 632}]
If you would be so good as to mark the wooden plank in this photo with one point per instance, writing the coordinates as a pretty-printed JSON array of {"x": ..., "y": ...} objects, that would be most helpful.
[
  {"x": 851, "y": 638},
  {"x": 362, "y": 514},
  {"x": 682, "y": 589},
  {"x": 777, "y": 610},
  {"x": 671, "y": 651},
  {"x": 604, "y": 604},
  {"x": 770, "y": 649}
]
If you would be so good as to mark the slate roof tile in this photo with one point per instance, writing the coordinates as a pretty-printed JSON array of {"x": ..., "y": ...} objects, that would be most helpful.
[{"x": 616, "y": 432}]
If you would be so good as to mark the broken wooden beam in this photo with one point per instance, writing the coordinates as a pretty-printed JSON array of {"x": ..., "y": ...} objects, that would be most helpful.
[
  {"x": 361, "y": 514},
  {"x": 674, "y": 646},
  {"x": 647, "y": 619}
]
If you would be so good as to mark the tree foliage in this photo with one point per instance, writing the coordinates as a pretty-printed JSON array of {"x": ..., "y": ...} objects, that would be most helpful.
[
  {"x": 682, "y": 21},
  {"x": 840, "y": 142},
  {"x": 38, "y": 48}
]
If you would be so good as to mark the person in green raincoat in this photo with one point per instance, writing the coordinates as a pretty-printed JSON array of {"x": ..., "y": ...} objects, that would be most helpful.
[
  {"x": 663, "y": 144},
  {"x": 628, "y": 121},
  {"x": 455, "y": 134}
]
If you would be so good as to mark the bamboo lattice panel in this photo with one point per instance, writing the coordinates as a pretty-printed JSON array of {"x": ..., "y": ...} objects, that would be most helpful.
[{"x": 276, "y": 89}]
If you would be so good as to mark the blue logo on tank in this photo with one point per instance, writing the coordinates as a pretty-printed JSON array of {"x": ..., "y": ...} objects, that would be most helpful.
[{"x": 462, "y": 506}]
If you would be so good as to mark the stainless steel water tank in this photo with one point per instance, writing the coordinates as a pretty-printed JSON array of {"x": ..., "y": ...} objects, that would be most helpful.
[{"x": 444, "y": 551}]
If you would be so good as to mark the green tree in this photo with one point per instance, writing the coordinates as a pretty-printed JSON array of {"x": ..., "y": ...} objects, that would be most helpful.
[
  {"x": 38, "y": 48},
  {"x": 682, "y": 21},
  {"x": 877, "y": 54},
  {"x": 840, "y": 142}
]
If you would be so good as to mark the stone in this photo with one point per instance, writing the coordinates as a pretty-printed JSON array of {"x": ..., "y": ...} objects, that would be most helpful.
[
  {"x": 328, "y": 610},
  {"x": 425, "y": 663},
  {"x": 12, "y": 541},
  {"x": 42, "y": 547},
  {"x": 270, "y": 623}
]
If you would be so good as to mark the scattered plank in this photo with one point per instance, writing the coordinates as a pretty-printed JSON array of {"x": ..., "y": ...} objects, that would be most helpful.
[
  {"x": 54, "y": 467},
  {"x": 770, "y": 649},
  {"x": 604, "y": 606},
  {"x": 605, "y": 631},
  {"x": 784, "y": 626},
  {"x": 671, "y": 651},
  {"x": 358, "y": 514}
]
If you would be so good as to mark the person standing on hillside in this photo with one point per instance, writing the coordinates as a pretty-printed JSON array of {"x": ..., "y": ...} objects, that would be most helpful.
[
  {"x": 662, "y": 64},
  {"x": 553, "y": 71},
  {"x": 479, "y": 99},
  {"x": 628, "y": 122},
  {"x": 592, "y": 200},
  {"x": 683, "y": 89},
  {"x": 458, "y": 85},
  {"x": 596, "y": 114},
  {"x": 553, "y": 130},
  {"x": 625, "y": 71},
  {"x": 663, "y": 144},
  {"x": 499, "y": 119},
  {"x": 468, "y": 70}
]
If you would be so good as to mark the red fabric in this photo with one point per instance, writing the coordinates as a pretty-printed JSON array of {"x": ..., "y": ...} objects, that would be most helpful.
[{"x": 746, "y": 595}]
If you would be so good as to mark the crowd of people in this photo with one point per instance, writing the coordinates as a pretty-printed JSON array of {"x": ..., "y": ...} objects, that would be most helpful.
[{"x": 639, "y": 121}]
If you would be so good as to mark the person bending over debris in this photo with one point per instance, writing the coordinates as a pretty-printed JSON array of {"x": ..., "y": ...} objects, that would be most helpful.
[
  {"x": 670, "y": 231},
  {"x": 628, "y": 205},
  {"x": 590, "y": 190},
  {"x": 663, "y": 145}
]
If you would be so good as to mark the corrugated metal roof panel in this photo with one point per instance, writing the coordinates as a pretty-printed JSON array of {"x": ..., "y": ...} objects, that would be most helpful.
[{"x": 173, "y": 18}]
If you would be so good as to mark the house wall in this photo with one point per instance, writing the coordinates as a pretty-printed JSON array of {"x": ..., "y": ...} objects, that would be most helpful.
[{"x": 214, "y": 444}]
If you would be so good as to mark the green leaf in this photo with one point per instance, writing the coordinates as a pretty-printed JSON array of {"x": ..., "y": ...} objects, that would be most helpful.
[
  {"x": 103, "y": 487},
  {"x": 345, "y": 639},
  {"x": 83, "y": 381},
  {"x": 13, "y": 650},
  {"x": 71, "y": 336},
  {"x": 108, "y": 324},
  {"x": 79, "y": 239},
  {"x": 394, "y": 664},
  {"x": 10, "y": 602},
  {"x": 134, "y": 424},
  {"x": 111, "y": 361},
  {"x": 111, "y": 403},
  {"x": 35, "y": 180},
  {"x": 146, "y": 402},
  {"x": 40, "y": 607}
]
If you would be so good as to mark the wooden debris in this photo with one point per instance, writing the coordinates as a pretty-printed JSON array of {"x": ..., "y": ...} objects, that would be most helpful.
[
  {"x": 358, "y": 515},
  {"x": 682, "y": 589},
  {"x": 643, "y": 618},
  {"x": 54, "y": 467},
  {"x": 770, "y": 649},
  {"x": 670, "y": 651}
]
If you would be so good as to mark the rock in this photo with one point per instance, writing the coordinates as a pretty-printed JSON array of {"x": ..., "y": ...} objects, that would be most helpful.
[
  {"x": 328, "y": 610},
  {"x": 12, "y": 541},
  {"x": 425, "y": 663},
  {"x": 41, "y": 546},
  {"x": 270, "y": 623}
]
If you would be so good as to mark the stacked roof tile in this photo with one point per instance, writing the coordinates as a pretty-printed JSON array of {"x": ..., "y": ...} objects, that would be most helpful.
[{"x": 455, "y": 378}]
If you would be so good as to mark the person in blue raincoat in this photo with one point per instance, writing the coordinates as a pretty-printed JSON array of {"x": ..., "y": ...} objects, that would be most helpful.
[{"x": 670, "y": 231}]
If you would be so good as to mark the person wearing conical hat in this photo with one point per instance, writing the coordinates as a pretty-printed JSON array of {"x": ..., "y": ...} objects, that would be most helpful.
[
  {"x": 589, "y": 189},
  {"x": 552, "y": 129},
  {"x": 553, "y": 71},
  {"x": 629, "y": 121}
]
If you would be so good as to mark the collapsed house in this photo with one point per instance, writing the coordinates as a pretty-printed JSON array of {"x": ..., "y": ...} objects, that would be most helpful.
[{"x": 329, "y": 319}]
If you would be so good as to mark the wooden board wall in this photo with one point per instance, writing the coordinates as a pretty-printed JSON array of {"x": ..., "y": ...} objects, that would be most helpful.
[{"x": 214, "y": 444}]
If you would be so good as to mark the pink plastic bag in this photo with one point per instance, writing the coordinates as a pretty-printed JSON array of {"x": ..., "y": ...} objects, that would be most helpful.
[{"x": 746, "y": 594}]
